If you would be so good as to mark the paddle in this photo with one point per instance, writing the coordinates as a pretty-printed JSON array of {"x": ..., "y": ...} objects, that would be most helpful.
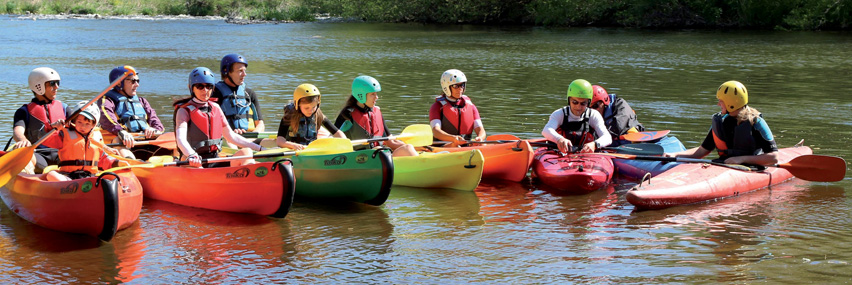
[
  {"x": 637, "y": 148},
  {"x": 320, "y": 146},
  {"x": 416, "y": 135},
  {"x": 820, "y": 168},
  {"x": 256, "y": 135},
  {"x": 165, "y": 140},
  {"x": 644, "y": 136},
  {"x": 14, "y": 161}
]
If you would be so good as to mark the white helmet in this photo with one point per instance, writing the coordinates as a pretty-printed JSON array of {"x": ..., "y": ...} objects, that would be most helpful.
[
  {"x": 451, "y": 77},
  {"x": 91, "y": 112},
  {"x": 39, "y": 76}
]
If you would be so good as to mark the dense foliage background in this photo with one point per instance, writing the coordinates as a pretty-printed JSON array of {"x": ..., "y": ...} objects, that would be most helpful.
[{"x": 756, "y": 14}]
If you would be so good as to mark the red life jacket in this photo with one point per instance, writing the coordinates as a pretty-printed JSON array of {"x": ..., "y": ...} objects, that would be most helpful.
[
  {"x": 366, "y": 125},
  {"x": 78, "y": 152},
  {"x": 578, "y": 132},
  {"x": 40, "y": 118},
  {"x": 205, "y": 127},
  {"x": 457, "y": 117}
]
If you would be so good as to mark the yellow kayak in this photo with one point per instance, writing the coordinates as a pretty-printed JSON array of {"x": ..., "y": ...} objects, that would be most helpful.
[{"x": 457, "y": 170}]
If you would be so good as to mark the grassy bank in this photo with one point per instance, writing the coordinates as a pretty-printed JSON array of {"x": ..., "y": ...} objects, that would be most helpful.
[{"x": 739, "y": 14}]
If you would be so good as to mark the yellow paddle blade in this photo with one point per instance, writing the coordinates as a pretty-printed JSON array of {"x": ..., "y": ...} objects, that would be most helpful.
[
  {"x": 327, "y": 146},
  {"x": 416, "y": 135},
  {"x": 144, "y": 165},
  {"x": 11, "y": 163}
]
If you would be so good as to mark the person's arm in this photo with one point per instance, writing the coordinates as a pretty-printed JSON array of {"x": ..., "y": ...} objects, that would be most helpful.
[
  {"x": 478, "y": 127},
  {"x": 153, "y": 120},
  {"x": 19, "y": 128},
  {"x": 235, "y": 138},
  {"x": 698, "y": 152},
  {"x": 765, "y": 141},
  {"x": 181, "y": 131},
  {"x": 549, "y": 132},
  {"x": 603, "y": 137},
  {"x": 281, "y": 139},
  {"x": 335, "y": 132}
]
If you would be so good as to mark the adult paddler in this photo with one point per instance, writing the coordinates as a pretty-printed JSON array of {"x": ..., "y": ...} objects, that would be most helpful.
[
  {"x": 619, "y": 118},
  {"x": 33, "y": 120},
  {"x": 123, "y": 112},
  {"x": 453, "y": 116},
  {"x": 576, "y": 124},
  {"x": 238, "y": 102}
]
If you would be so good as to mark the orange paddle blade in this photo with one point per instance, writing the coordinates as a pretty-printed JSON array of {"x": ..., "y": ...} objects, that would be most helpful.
[
  {"x": 502, "y": 137},
  {"x": 644, "y": 136},
  {"x": 11, "y": 163},
  {"x": 821, "y": 168}
]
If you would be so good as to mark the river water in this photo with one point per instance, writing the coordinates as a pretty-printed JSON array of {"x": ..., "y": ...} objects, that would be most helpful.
[{"x": 502, "y": 233}]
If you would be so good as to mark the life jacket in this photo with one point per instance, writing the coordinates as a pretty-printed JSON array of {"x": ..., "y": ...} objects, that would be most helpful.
[
  {"x": 578, "y": 132},
  {"x": 619, "y": 118},
  {"x": 129, "y": 111},
  {"x": 366, "y": 125},
  {"x": 204, "y": 132},
  {"x": 40, "y": 118},
  {"x": 457, "y": 117},
  {"x": 743, "y": 143},
  {"x": 305, "y": 132},
  {"x": 236, "y": 105},
  {"x": 78, "y": 152}
]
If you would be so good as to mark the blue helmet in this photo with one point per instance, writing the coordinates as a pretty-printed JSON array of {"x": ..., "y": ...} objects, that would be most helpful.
[
  {"x": 117, "y": 72},
  {"x": 229, "y": 60},
  {"x": 200, "y": 75}
]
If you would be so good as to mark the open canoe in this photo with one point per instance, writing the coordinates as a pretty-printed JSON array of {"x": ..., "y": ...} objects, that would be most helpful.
[
  {"x": 689, "y": 183},
  {"x": 363, "y": 176},
  {"x": 506, "y": 161},
  {"x": 636, "y": 169},
  {"x": 572, "y": 174},
  {"x": 262, "y": 188},
  {"x": 453, "y": 170},
  {"x": 95, "y": 206}
]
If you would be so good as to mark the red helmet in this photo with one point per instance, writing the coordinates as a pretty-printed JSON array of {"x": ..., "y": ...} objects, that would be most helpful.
[{"x": 600, "y": 95}]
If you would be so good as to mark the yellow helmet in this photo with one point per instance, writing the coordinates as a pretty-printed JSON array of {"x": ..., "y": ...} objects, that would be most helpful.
[
  {"x": 305, "y": 90},
  {"x": 733, "y": 94}
]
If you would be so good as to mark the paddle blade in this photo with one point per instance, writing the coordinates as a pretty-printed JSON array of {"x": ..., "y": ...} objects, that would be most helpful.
[
  {"x": 502, "y": 137},
  {"x": 416, "y": 135},
  {"x": 820, "y": 168},
  {"x": 644, "y": 136},
  {"x": 327, "y": 146},
  {"x": 639, "y": 149},
  {"x": 13, "y": 162}
]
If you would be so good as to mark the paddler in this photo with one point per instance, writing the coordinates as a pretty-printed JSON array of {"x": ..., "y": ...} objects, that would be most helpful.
[
  {"x": 619, "y": 118},
  {"x": 453, "y": 116},
  {"x": 200, "y": 124},
  {"x": 123, "y": 112},
  {"x": 303, "y": 118},
  {"x": 576, "y": 124},
  {"x": 33, "y": 120},
  {"x": 362, "y": 119},
  {"x": 81, "y": 151},
  {"x": 738, "y": 132},
  {"x": 238, "y": 102}
]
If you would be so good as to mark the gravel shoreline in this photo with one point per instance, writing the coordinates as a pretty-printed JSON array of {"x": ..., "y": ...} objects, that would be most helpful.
[{"x": 231, "y": 20}]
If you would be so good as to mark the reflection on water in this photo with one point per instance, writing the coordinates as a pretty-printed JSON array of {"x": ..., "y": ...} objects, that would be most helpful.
[{"x": 503, "y": 232}]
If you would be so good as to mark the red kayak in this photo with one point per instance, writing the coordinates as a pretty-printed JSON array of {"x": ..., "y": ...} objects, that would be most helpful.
[
  {"x": 689, "y": 183},
  {"x": 572, "y": 174},
  {"x": 96, "y": 206}
]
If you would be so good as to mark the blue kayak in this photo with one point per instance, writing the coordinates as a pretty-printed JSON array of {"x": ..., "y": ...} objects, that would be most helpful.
[{"x": 636, "y": 169}]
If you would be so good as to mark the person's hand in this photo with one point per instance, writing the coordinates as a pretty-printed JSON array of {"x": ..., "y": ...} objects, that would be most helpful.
[
  {"x": 126, "y": 139},
  {"x": 112, "y": 150},
  {"x": 479, "y": 138},
  {"x": 58, "y": 125},
  {"x": 564, "y": 145},
  {"x": 459, "y": 140},
  {"x": 194, "y": 160},
  {"x": 394, "y": 143},
  {"x": 669, "y": 155},
  {"x": 150, "y": 132},
  {"x": 735, "y": 160},
  {"x": 23, "y": 143},
  {"x": 239, "y": 131},
  {"x": 295, "y": 146},
  {"x": 588, "y": 147}
]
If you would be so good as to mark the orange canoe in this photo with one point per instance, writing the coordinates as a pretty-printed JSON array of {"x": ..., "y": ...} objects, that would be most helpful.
[
  {"x": 689, "y": 183},
  {"x": 507, "y": 161},
  {"x": 96, "y": 206},
  {"x": 265, "y": 188}
]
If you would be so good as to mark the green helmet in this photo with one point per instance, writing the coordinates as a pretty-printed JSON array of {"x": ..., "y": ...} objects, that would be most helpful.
[
  {"x": 362, "y": 85},
  {"x": 580, "y": 88}
]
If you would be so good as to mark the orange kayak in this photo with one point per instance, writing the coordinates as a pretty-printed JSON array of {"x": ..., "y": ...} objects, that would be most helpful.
[
  {"x": 506, "y": 161},
  {"x": 264, "y": 188},
  {"x": 95, "y": 206},
  {"x": 689, "y": 183}
]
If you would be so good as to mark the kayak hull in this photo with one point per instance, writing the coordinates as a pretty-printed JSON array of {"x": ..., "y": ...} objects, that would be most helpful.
[
  {"x": 95, "y": 206},
  {"x": 363, "y": 176},
  {"x": 262, "y": 188},
  {"x": 636, "y": 169},
  {"x": 452, "y": 170},
  {"x": 572, "y": 174},
  {"x": 506, "y": 161},
  {"x": 689, "y": 183}
]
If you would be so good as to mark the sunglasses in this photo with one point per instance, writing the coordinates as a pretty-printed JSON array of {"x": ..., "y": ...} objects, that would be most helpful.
[
  {"x": 458, "y": 86},
  {"x": 133, "y": 81},
  {"x": 575, "y": 102},
  {"x": 596, "y": 104},
  {"x": 203, "y": 86},
  {"x": 53, "y": 83}
]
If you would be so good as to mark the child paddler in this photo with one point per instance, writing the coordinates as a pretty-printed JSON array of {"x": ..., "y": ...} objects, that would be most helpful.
[
  {"x": 453, "y": 116},
  {"x": 81, "y": 149},
  {"x": 303, "y": 118},
  {"x": 362, "y": 119},
  {"x": 124, "y": 112},
  {"x": 576, "y": 124},
  {"x": 34, "y": 120},
  {"x": 200, "y": 124},
  {"x": 738, "y": 132}
]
